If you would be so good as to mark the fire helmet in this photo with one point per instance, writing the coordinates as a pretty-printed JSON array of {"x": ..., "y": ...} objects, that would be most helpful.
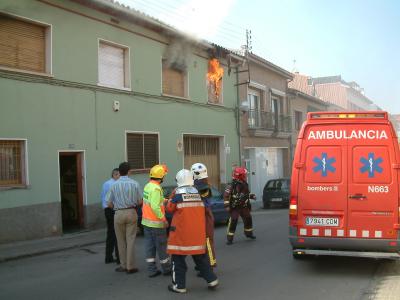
[
  {"x": 184, "y": 178},
  {"x": 199, "y": 171},
  {"x": 158, "y": 171},
  {"x": 239, "y": 173}
]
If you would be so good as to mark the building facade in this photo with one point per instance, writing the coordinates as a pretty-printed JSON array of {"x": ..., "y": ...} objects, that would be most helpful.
[
  {"x": 265, "y": 127},
  {"x": 88, "y": 84},
  {"x": 301, "y": 104},
  {"x": 341, "y": 95}
]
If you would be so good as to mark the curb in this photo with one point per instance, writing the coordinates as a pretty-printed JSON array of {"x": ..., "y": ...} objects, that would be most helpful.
[{"x": 43, "y": 252}]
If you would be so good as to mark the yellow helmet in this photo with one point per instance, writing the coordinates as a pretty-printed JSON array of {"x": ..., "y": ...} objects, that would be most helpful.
[{"x": 158, "y": 171}]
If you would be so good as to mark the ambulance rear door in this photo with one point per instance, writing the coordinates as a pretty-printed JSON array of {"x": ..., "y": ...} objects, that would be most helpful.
[
  {"x": 372, "y": 189},
  {"x": 322, "y": 194}
]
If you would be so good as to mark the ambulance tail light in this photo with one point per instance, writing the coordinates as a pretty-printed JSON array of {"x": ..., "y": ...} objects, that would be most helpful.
[{"x": 293, "y": 210}]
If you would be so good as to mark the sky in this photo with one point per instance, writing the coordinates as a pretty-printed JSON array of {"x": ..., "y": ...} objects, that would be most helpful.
[{"x": 357, "y": 39}]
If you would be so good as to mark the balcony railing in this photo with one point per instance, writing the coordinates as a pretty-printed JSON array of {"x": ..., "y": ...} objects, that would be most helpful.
[{"x": 269, "y": 121}]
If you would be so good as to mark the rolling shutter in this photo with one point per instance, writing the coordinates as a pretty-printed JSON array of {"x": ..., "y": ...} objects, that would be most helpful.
[
  {"x": 111, "y": 65},
  {"x": 199, "y": 149},
  {"x": 22, "y": 45}
]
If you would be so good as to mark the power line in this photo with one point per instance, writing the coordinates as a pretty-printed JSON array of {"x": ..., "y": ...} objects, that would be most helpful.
[{"x": 164, "y": 9}]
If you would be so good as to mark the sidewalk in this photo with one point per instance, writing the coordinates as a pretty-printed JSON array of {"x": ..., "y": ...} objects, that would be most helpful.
[{"x": 23, "y": 249}]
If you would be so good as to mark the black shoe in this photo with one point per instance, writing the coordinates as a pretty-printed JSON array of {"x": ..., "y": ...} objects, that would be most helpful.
[
  {"x": 155, "y": 274},
  {"x": 131, "y": 271},
  {"x": 229, "y": 242},
  {"x": 174, "y": 289},
  {"x": 253, "y": 237},
  {"x": 109, "y": 260}
]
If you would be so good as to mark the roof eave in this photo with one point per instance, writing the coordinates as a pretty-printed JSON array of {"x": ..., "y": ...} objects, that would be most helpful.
[
  {"x": 260, "y": 61},
  {"x": 116, "y": 9},
  {"x": 307, "y": 96}
]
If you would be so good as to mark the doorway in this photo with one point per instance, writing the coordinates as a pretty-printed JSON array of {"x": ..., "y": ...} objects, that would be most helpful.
[{"x": 71, "y": 191}]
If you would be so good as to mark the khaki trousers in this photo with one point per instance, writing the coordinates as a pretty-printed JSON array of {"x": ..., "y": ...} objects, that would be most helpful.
[{"x": 125, "y": 224}]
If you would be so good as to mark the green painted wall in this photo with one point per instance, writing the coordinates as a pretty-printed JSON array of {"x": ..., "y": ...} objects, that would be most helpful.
[{"x": 51, "y": 116}]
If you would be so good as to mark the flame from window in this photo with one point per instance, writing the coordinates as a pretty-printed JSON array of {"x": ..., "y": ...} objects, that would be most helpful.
[{"x": 214, "y": 75}]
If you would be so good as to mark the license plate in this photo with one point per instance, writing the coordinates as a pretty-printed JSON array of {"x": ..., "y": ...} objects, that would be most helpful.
[
  {"x": 276, "y": 199},
  {"x": 317, "y": 221}
]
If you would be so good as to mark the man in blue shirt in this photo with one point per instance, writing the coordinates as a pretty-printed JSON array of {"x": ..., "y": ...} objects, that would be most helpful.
[
  {"x": 124, "y": 197},
  {"x": 111, "y": 240}
]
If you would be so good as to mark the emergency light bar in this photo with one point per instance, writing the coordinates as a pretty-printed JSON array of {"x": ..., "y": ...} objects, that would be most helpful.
[{"x": 348, "y": 115}]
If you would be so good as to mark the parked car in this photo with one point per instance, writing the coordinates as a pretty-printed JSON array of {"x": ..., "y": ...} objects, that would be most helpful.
[
  {"x": 221, "y": 216},
  {"x": 276, "y": 193}
]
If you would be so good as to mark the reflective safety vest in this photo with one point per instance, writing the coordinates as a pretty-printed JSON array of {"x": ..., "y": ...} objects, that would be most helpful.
[
  {"x": 187, "y": 235},
  {"x": 153, "y": 211}
]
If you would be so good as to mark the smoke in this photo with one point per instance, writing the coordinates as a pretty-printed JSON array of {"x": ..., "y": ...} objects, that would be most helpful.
[{"x": 177, "y": 54}]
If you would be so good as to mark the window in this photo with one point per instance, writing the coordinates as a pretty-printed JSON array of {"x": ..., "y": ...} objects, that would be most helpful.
[
  {"x": 173, "y": 81},
  {"x": 215, "y": 93},
  {"x": 254, "y": 108},
  {"x": 114, "y": 65},
  {"x": 275, "y": 112},
  {"x": 142, "y": 150},
  {"x": 24, "y": 45},
  {"x": 214, "y": 82},
  {"x": 12, "y": 163},
  {"x": 298, "y": 119}
]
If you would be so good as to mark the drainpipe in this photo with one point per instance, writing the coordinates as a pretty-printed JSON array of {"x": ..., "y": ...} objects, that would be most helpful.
[{"x": 238, "y": 121}]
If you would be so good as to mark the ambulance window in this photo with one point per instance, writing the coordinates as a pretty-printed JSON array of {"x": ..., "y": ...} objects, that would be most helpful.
[
  {"x": 371, "y": 164},
  {"x": 323, "y": 164}
]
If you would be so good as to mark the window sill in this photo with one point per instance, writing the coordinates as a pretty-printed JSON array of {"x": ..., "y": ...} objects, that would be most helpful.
[
  {"x": 174, "y": 96},
  {"x": 216, "y": 104},
  {"x": 14, "y": 187},
  {"x": 27, "y": 72},
  {"x": 115, "y": 87}
]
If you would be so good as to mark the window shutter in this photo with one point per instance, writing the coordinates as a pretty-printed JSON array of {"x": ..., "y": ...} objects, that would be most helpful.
[
  {"x": 150, "y": 150},
  {"x": 111, "y": 65},
  {"x": 135, "y": 150},
  {"x": 142, "y": 150},
  {"x": 10, "y": 162},
  {"x": 173, "y": 81},
  {"x": 22, "y": 45}
]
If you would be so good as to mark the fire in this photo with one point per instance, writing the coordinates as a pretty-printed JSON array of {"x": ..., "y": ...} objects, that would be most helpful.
[{"x": 214, "y": 75}]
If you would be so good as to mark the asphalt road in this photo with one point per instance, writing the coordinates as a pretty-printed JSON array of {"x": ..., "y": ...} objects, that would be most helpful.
[{"x": 260, "y": 269}]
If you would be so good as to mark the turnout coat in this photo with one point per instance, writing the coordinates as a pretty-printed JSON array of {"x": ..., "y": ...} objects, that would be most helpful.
[{"x": 187, "y": 234}]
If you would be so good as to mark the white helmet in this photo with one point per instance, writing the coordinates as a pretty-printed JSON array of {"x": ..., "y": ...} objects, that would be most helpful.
[
  {"x": 199, "y": 171},
  {"x": 184, "y": 178}
]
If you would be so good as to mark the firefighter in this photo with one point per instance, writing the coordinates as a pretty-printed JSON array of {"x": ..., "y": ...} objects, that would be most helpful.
[
  {"x": 154, "y": 223},
  {"x": 237, "y": 201},
  {"x": 200, "y": 176},
  {"x": 187, "y": 234}
]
